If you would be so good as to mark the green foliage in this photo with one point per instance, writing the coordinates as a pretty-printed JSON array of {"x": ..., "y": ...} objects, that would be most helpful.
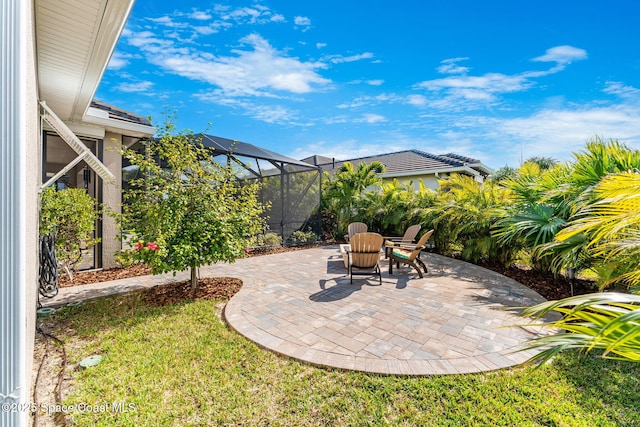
[
  {"x": 542, "y": 162},
  {"x": 464, "y": 215},
  {"x": 126, "y": 258},
  {"x": 300, "y": 236},
  {"x": 610, "y": 228},
  {"x": 342, "y": 191},
  {"x": 70, "y": 215},
  {"x": 394, "y": 207},
  {"x": 503, "y": 173},
  {"x": 537, "y": 213},
  {"x": 609, "y": 322},
  {"x": 186, "y": 210},
  {"x": 272, "y": 239}
]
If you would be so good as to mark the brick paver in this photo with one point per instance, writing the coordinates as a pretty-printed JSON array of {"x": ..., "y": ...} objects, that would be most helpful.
[{"x": 301, "y": 304}]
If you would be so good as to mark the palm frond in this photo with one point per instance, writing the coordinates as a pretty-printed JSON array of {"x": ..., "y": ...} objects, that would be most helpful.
[{"x": 606, "y": 321}]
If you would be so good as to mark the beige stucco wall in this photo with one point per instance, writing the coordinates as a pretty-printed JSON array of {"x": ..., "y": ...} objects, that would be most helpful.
[
  {"x": 111, "y": 198},
  {"x": 430, "y": 181}
]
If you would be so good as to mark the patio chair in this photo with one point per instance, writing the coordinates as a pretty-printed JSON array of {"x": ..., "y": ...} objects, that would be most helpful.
[
  {"x": 363, "y": 255},
  {"x": 408, "y": 254},
  {"x": 355, "y": 228},
  {"x": 408, "y": 238}
]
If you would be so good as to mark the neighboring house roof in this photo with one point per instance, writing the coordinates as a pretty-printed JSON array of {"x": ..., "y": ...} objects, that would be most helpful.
[{"x": 416, "y": 162}]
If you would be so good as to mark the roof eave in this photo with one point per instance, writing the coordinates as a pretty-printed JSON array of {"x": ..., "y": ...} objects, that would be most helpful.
[
  {"x": 458, "y": 169},
  {"x": 120, "y": 126},
  {"x": 70, "y": 67}
]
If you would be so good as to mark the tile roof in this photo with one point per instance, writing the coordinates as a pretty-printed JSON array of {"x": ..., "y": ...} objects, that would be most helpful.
[{"x": 416, "y": 161}]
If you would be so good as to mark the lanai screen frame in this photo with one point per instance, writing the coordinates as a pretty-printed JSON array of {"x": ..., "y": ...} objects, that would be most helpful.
[{"x": 283, "y": 167}]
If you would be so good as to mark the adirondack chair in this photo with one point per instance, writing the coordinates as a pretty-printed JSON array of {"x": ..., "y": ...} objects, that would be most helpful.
[
  {"x": 355, "y": 228},
  {"x": 363, "y": 255},
  {"x": 402, "y": 253}
]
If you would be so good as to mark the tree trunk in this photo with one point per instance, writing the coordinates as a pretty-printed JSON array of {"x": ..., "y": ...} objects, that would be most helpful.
[{"x": 194, "y": 277}]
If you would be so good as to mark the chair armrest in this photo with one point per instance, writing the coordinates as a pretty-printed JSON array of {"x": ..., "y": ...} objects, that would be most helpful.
[{"x": 409, "y": 247}]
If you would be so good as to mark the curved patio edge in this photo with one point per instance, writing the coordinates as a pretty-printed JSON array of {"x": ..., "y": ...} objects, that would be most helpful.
[{"x": 453, "y": 321}]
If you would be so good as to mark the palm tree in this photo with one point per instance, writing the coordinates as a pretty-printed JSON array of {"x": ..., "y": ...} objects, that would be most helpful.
[
  {"x": 341, "y": 192},
  {"x": 591, "y": 205},
  {"x": 391, "y": 210},
  {"x": 463, "y": 216},
  {"x": 534, "y": 217},
  {"x": 609, "y": 322},
  {"x": 611, "y": 227}
]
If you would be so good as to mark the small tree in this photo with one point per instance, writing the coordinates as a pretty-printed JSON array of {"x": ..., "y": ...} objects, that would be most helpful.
[
  {"x": 186, "y": 210},
  {"x": 69, "y": 216}
]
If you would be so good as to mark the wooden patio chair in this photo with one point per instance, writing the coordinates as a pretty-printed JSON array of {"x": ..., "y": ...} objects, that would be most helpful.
[
  {"x": 408, "y": 254},
  {"x": 363, "y": 256},
  {"x": 355, "y": 228},
  {"x": 408, "y": 238}
]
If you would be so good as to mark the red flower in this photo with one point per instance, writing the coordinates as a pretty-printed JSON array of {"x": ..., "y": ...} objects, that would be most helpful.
[
  {"x": 139, "y": 245},
  {"x": 153, "y": 246}
]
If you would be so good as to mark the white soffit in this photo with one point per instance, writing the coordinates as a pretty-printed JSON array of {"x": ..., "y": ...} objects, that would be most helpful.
[{"x": 74, "y": 41}]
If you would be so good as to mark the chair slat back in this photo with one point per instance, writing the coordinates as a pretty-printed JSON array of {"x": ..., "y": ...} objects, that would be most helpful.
[
  {"x": 365, "y": 249},
  {"x": 411, "y": 233},
  {"x": 355, "y": 228},
  {"x": 420, "y": 245}
]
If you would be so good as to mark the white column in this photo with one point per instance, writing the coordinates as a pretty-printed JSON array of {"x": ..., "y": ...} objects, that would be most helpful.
[{"x": 19, "y": 176}]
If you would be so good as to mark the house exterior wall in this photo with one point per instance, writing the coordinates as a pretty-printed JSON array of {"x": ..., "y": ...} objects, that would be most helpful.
[
  {"x": 111, "y": 198},
  {"x": 429, "y": 180}
]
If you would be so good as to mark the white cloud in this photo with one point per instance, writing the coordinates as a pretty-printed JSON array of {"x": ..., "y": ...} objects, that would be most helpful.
[
  {"x": 256, "y": 72},
  {"x": 251, "y": 15},
  {"x": 200, "y": 16},
  {"x": 450, "y": 66},
  {"x": 562, "y": 55},
  {"x": 417, "y": 100},
  {"x": 274, "y": 114},
  {"x": 135, "y": 87},
  {"x": 302, "y": 21},
  {"x": 461, "y": 91},
  {"x": 117, "y": 62},
  {"x": 378, "y": 82},
  {"x": 621, "y": 90},
  {"x": 373, "y": 118},
  {"x": 321, "y": 45},
  {"x": 338, "y": 59}
]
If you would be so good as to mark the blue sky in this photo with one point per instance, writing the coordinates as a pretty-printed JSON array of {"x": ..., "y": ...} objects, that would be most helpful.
[{"x": 495, "y": 80}]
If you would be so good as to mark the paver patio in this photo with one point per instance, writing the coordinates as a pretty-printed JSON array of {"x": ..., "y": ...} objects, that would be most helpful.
[{"x": 301, "y": 304}]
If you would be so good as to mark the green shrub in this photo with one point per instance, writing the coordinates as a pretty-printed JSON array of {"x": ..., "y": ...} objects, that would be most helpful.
[
  {"x": 268, "y": 239},
  {"x": 70, "y": 215},
  {"x": 272, "y": 239},
  {"x": 303, "y": 236}
]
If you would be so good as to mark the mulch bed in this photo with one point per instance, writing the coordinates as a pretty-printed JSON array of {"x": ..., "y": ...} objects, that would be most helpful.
[
  {"x": 223, "y": 288},
  {"x": 215, "y": 288},
  {"x": 544, "y": 283}
]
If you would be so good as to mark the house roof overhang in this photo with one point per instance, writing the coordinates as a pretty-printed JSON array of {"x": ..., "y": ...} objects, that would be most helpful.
[{"x": 74, "y": 42}]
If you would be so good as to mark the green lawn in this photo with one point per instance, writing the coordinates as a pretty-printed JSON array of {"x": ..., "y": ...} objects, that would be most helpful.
[{"x": 179, "y": 365}]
